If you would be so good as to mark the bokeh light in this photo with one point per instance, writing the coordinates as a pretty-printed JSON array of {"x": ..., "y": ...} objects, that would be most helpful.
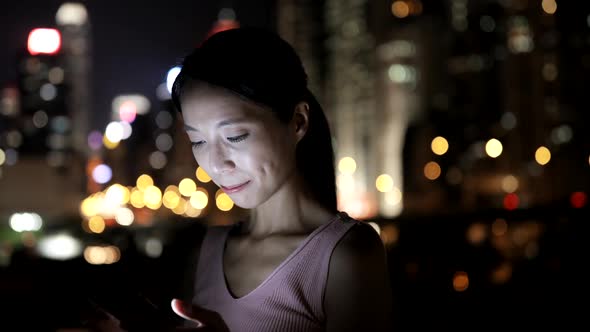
[
  {"x": 25, "y": 222},
  {"x": 542, "y": 155},
  {"x": 509, "y": 184},
  {"x": 460, "y": 281},
  {"x": 400, "y": 9},
  {"x": 60, "y": 246},
  {"x": 71, "y": 13},
  {"x": 223, "y": 201},
  {"x": 44, "y": 41},
  {"x": 158, "y": 160},
  {"x": 347, "y": 165},
  {"x": 549, "y": 6},
  {"x": 171, "y": 197},
  {"x": 432, "y": 170},
  {"x": 136, "y": 199},
  {"x": 202, "y": 175},
  {"x": 102, "y": 174},
  {"x": 98, "y": 255},
  {"x": 187, "y": 187},
  {"x": 384, "y": 183},
  {"x": 511, "y": 201},
  {"x": 171, "y": 76},
  {"x": 199, "y": 199},
  {"x": 124, "y": 216},
  {"x": 127, "y": 130},
  {"x": 95, "y": 140},
  {"x": 144, "y": 181},
  {"x": 578, "y": 199},
  {"x": 152, "y": 197},
  {"x": 493, "y": 148},
  {"x": 108, "y": 143},
  {"x": 114, "y": 132},
  {"x": 439, "y": 145},
  {"x": 96, "y": 224},
  {"x": 128, "y": 111}
]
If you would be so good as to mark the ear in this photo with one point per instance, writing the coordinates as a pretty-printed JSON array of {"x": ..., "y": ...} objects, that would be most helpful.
[{"x": 300, "y": 120}]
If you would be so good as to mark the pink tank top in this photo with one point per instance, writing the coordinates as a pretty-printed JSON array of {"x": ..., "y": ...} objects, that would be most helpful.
[{"x": 290, "y": 299}]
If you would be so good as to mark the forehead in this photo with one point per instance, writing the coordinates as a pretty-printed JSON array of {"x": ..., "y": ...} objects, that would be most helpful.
[{"x": 201, "y": 102}]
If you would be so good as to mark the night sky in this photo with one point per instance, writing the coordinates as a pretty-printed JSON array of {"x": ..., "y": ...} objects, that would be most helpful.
[{"x": 134, "y": 42}]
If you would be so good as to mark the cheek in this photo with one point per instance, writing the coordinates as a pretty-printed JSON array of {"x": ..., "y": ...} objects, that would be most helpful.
[
  {"x": 197, "y": 157},
  {"x": 275, "y": 160},
  {"x": 201, "y": 161}
]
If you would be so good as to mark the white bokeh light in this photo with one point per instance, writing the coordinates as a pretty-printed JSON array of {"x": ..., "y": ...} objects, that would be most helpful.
[
  {"x": 59, "y": 247},
  {"x": 114, "y": 132},
  {"x": 71, "y": 13},
  {"x": 127, "y": 129},
  {"x": 171, "y": 76},
  {"x": 102, "y": 174},
  {"x": 153, "y": 247},
  {"x": 24, "y": 222}
]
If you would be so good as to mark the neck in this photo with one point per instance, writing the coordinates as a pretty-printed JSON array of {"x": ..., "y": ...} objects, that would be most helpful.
[{"x": 289, "y": 211}]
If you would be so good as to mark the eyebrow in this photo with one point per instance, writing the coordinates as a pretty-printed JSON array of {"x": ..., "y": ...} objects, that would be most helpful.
[{"x": 220, "y": 124}]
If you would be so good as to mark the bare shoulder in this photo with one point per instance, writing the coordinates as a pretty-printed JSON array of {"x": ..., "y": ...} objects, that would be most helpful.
[
  {"x": 358, "y": 253},
  {"x": 358, "y": 290},
  {"x": 361, "y": 239}
]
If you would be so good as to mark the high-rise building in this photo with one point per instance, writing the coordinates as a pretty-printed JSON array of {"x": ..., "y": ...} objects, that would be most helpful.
[
  {"x": 350, "y": 103},
  {"x": 9, "y": 112},
  {"x": 44, "y": 120},
  {"x": 402, "y": 81},
  {"x": 74, "y": 25},
  {"x": 301, "y": 23},
  {"x": 46, "y": 136}
]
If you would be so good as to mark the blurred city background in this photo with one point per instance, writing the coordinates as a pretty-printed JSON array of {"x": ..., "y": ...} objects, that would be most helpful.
[{"x": 460, "y": 128}]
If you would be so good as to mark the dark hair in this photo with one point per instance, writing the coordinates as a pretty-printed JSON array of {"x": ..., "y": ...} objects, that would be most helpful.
[{"x": 259, "y": 65}]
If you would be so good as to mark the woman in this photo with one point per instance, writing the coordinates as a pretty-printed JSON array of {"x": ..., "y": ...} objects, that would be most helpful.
[{"x": 296, "y": 263}]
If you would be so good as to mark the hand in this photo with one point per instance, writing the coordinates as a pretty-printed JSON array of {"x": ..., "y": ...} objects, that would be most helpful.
[
  {"x": 99, "y": 320},
  {"x": 141, "y": 315},
  {"x": 203, "y": 320}
]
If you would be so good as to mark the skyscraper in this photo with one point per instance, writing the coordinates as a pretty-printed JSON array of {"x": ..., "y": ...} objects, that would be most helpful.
[
  {"x": 350, "y": 100},
  {"x": 72, "y": 19},
  {"x": 43, "y": 120},
  {"x": 301, "y": 23}
]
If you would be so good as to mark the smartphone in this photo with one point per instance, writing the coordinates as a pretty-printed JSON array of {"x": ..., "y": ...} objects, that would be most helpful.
[{"x": 135, "y": 311}]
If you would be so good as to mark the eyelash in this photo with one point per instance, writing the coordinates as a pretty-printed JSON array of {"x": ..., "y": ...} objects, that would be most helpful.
[{"x": 235, "y": 139}]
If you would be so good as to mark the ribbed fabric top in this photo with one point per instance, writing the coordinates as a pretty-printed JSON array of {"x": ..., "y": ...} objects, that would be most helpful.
[{"x": 290, "y": 299}]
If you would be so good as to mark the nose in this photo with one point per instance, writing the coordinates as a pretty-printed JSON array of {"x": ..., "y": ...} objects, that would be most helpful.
[{"x": 219, "y": 160}]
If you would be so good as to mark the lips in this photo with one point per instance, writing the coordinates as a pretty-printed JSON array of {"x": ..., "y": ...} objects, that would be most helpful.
[{"x": 233, "y": 189}]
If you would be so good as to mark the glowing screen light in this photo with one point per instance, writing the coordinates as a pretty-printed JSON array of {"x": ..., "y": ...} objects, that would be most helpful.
[{"x": 44, "y": 41}]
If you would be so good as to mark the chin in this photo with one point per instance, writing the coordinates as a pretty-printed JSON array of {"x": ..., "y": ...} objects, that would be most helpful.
[
  {"x": 247, "y": 200},
  {"x": 245, "y": 205}
]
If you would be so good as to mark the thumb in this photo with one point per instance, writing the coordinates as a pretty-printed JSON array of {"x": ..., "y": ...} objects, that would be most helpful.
[{"x": 185, "y": 311}]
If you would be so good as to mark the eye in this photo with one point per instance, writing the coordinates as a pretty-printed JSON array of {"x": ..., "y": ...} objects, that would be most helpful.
[
  {"x": 239, "y": 138},
  {"x": 197, "y": 144}
]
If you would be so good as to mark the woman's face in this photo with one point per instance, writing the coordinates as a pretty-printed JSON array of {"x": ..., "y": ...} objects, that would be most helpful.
[{"x": 243, "y": 147}]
